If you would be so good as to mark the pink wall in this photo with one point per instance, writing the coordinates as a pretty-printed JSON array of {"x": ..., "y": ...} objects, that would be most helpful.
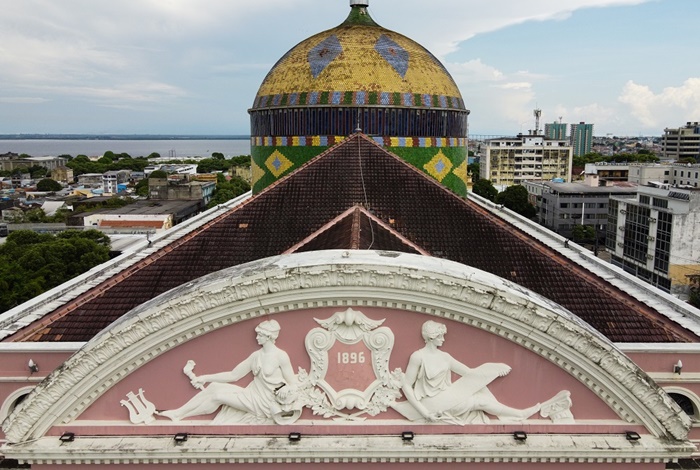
[
  {"x": 381, "y": 466},
  {"x": 15, "y": 373},
  {"x": 533, "y": 379}
]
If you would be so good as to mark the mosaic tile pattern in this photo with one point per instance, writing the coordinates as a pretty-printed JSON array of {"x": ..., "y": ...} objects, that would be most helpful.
[
  {"x": 439, "y": 167},
  {"x": 445, "y": 160},
  {"x": 330, "y": 140},
  {"x": 359, "y": 58},
  {"x": 278, "y": 164},
  {"x": 323, "y": 54},
  {"x": 361, "y": 97},
  {"x": 393, "y": 53}
]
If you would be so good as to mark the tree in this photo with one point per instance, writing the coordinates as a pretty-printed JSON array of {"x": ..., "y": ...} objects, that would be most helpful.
[
  {"x": 474, "y": 170},
  {"x": 218, "y": 156},
  {"x": 485, "y": 189},
  {"x": 32, "y": 263},
  {"x": 516, "y": 199},
  {"x": 158, "y": 174},
  {"x": 583, "y": 233},
  {"x": 48, "y": 185},
  {"x": 227, "y": 190}
]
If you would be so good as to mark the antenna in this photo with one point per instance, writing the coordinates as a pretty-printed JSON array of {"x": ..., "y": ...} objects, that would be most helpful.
[{"x": 538, "y": 114}]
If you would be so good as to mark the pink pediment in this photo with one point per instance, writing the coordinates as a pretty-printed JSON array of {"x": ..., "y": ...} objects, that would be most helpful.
[{"x": 532, "y": 379}]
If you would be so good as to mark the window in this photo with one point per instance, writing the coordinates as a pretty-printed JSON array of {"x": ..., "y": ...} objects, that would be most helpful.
[
  {"x": 662, "y": 203},
  {"x": 637, "y": 233},
  {"x": 643, "y": 199},
  {"x": 685, "y": 403}
]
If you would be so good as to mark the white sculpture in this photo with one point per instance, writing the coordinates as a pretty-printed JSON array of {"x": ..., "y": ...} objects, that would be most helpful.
[
  {"x": 140, "y": 410},
  {"x": 371, "y": 346},
  {"x": 432, "y": 397},
  {"x": 270, "y": 397}
]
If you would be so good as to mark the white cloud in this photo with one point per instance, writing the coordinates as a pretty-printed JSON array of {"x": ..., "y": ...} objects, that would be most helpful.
[
  {"x": 671, "y": 105},
  {"x": 22, "y": 100},
  {"x": 468, "y": 18}
]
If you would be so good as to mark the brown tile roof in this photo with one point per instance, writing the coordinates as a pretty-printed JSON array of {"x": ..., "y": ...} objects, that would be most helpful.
[
  {"x": 132, "y": 223},
  {"x": 315, "y": 208}
]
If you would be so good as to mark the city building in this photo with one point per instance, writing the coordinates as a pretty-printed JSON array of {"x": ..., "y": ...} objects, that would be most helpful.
[
  {"x": 114, "y": 182},
  {"x": 514, "y": 160},
  {"x": 555, "y": 130},
  {"x": 179, "y": 188},
  {"x": 581, "y": 138},
  {"x": 680, "y": 143},
  {"x": 561, "y": 206},
  {"x": 90, "y": 179},
  {"x": 50, "y": 163},
  {"x": 685, "y": 176},
  {"x": 355, "y": 312},
  {"x": 62, "y": 174},
  {"x": 655, "y": 236}
]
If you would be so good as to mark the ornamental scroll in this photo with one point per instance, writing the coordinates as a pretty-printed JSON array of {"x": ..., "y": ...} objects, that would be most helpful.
[{"x": 349, "y": 351}]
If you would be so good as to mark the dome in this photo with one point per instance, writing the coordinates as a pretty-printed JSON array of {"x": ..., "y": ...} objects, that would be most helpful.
[
  {"x": 361, "y": 58},
  {"x": 359, "y": 75}
]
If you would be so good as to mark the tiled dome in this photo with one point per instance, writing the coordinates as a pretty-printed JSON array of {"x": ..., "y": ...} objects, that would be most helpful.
[
  {"x": 359, "y": 62},
  {"x": 359, "y": 75}
]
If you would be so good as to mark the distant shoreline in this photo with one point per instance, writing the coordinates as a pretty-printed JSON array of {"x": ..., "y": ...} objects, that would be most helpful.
[{"x": 120, "y": 137}]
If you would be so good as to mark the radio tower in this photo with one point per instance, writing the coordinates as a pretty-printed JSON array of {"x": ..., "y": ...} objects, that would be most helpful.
[{"x": 538, "y": 114}]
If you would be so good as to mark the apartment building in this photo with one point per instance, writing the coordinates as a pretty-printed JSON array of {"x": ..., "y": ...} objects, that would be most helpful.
[
  {"x": 655, "y": 236},
  {"x": 513, "y": 160},
  {"x": 682, "y": 142}
]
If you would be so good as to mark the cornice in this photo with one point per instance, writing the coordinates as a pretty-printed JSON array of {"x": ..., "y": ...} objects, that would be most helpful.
[
  {"x": 348, "y": 279},
  {"x": 471, "y": 448}
]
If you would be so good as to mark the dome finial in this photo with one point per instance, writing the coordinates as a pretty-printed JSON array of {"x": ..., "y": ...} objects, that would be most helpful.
[{"x": 359, "y": 3}]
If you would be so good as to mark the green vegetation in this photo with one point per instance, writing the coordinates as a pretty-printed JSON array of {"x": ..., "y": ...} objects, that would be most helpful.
[
  {"x": 474, "y": 169},
  {"x": 34, "y": 171},
  {"x": 32, "y": 263},
  {"x": 227, "y": 190},
  {"x": 516, "y": 199},
  {"x": 38, "y": 216},
  {"x": 642, "y": 156},
  {"x": 485, "y": 189},
  {"x": 583, "y": 233},
  {"x": 110, "y": 161},
  {"x": 48, "y": 185}
]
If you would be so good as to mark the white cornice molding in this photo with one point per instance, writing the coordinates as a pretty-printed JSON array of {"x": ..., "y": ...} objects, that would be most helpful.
[
  {"x": 465, "y": 448},
  {"x": 348, "y": 279}
]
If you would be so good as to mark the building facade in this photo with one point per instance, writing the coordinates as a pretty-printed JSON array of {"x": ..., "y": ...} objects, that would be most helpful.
[
  {"x": 562, "y": 206},
  {"x": 581, "y": 138},
  {"x": 513, "y": 160},
  {"x": 682, "y": 142},
  {"x": 114, "y": 181},
  {"x": 555, "y": 130},
  {"x": 655, "y": 236}
]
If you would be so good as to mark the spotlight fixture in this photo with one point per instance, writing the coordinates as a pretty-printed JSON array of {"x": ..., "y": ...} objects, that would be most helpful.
[
  {"x": 32, "y": 366},
  {"x": 407, "y": 436},
  {"x": 520, "y": 435},
  {"x": 677, "y": 367},
  {"x": 294, "y": 436},
  {"x": 632, "y": 436},
  {"x": 67, "y": 437},
  {"x": 180, "y": 437}
]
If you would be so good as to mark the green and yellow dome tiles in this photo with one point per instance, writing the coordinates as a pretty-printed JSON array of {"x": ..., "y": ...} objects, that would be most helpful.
[{"x": 359, "y": 75}]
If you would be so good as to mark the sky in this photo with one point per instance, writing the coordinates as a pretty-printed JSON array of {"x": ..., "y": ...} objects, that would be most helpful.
[{"x": 630, "y": 67}]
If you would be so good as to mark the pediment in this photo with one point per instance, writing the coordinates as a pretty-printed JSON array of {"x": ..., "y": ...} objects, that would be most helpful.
[{"x": 350, "y": 325}]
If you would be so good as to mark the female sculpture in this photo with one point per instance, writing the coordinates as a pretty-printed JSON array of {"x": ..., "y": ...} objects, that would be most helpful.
[
  {"x": 269, "y": 397},
  {"x": 433, "y": 397}
]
